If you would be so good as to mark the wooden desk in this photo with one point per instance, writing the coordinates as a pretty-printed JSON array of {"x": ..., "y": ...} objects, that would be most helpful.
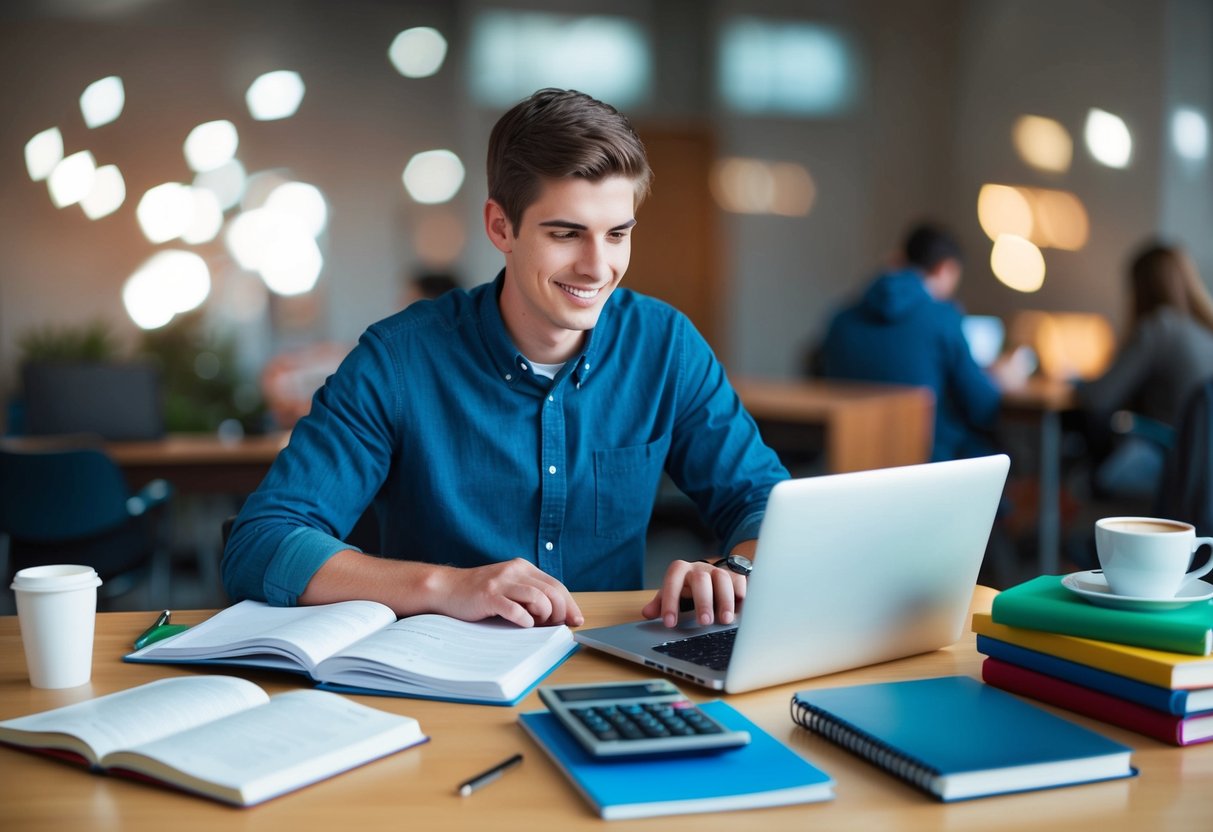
[
  {"x": 200, "y": 463},
  {"x": 866, "y": 425},
  {"x": 415, "y": 789},
  {"x": 193, "y": 462},
  {"x": 1045, "y": 400}
]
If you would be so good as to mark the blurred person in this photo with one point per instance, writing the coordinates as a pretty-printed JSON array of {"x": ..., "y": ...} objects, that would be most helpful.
[
  {"x": 1166, "y": 354},
  {"x": 905, "y": 329},
  {"x": 512, "y": 437}
]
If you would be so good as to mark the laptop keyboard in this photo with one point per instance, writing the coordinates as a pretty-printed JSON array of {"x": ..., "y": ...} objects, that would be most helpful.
[{"x": 709, "y": 650}]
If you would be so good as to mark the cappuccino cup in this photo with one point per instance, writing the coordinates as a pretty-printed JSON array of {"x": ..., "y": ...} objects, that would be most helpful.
[{"x": 1148, "y": 557}]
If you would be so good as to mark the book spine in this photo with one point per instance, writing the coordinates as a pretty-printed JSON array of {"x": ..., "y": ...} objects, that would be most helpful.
[
  {"x": 1088, "y": 621},
  {"x": 844, "y": 734},
  {"x": 1110, "y": 709},
  {"x": 1103, "y": 655},
  {"x": 1151, "y": 696}
]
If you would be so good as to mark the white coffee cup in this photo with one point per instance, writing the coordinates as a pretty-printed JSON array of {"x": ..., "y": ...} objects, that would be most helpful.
[
  {"x": 1148, "y": 557},
  {"x": 57, "y": 612}
]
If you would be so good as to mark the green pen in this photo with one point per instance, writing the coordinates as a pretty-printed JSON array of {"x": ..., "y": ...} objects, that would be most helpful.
[{"x": 160, "y": 629}]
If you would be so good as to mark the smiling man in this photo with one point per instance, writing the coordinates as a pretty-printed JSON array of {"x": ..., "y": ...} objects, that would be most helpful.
[{"x": 512, "y": 438}]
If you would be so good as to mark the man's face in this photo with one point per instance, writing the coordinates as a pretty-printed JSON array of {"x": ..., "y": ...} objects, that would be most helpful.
[{"x": 562, "y": 263}]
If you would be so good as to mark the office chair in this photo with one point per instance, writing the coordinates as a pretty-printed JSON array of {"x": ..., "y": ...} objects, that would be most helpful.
[
  {"x": 1186, "y": 492},
  {"x": 73, "y": 506}
]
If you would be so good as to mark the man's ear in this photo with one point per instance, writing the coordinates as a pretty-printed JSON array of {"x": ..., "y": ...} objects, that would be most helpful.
[{"x": 497, "y": 227}]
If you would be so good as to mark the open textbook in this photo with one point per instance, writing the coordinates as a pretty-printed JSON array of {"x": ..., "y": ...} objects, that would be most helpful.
[
  {"x": 360, "y": 647},
  {"x": 217, "y": 736}
]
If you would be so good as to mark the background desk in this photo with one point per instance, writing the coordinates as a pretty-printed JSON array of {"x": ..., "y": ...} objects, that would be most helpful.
[
  {"x": 199, "y": 463},
  {"x": 866, "y": 425},
  {"x": 415, "y": 789}
]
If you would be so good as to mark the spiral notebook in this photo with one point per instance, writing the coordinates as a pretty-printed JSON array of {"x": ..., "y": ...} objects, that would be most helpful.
[{"x": 957, "y": 739}]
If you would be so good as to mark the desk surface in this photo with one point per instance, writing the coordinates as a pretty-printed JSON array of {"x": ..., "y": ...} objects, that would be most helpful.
[{"x": 415, "y": 788}]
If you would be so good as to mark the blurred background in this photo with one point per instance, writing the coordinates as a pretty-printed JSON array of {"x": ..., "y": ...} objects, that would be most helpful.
[{"x": 233, "y": 191}]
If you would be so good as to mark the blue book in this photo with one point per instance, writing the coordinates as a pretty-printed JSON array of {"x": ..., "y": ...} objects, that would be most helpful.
[
  {"x": 1177, "y": 702},
  {"x": 763, "y": 773},
  {"x": 957, "y": 739}
]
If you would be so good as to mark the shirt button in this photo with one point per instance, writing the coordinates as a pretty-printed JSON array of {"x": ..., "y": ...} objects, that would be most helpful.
[
  {"x": 587, "y": 366},
  {"x": 508, "y": 376},
  {"x": 523, "y": 366},
  {"x": 548, "y": 546},
  {"x": 551, "y": 398},
  {"x": 551, "y": 469}
]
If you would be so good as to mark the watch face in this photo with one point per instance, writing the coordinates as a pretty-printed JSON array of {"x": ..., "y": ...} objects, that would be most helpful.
[{"x": 737, "y": 563}]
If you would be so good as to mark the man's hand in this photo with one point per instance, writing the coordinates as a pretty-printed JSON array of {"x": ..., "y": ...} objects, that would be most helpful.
[
  {"x": 516, "y": 590},
  {"x": 714, "y": 590}
]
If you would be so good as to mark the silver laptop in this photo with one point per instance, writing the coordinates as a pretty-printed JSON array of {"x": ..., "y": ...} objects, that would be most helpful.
[{"x": 850, "y": 570}]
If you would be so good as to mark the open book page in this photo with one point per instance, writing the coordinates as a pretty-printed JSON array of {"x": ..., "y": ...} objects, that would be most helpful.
[
  {"x": 300, "y": 637},
  {"x": 119, "y": 720},
  {"x": 295, "y": 739},
  {"x": 437, "y": 654}
]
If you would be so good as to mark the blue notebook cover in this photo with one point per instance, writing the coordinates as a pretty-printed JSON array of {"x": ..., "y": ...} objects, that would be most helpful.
[
  {"x": 763, "y": 773},
  {"x": 1176, "y": 702},
  {"x": 957, "y": 739}
]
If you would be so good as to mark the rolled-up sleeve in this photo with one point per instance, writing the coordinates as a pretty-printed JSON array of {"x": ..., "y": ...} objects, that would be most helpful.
[{"x": 319, "y": 485}]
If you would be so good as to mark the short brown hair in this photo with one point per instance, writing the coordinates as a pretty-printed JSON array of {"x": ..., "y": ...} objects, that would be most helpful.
[{"x": 555, "y": 134}]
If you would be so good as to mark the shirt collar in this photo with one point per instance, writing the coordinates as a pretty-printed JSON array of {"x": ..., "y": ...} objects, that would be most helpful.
[{"x": 507, "y": 361}]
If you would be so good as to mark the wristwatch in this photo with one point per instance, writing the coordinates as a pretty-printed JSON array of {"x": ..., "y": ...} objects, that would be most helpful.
[{"x": 736, "y": 563}]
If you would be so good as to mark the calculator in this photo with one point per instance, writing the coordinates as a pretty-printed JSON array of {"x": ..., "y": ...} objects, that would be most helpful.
[{"x": 629, "y": 719}]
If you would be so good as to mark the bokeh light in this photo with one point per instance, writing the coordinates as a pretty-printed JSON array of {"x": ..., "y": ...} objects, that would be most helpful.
[
  {"x": 755, "y": 186},
  {"x": 275, "y": 95},
  {"x": 43, "y": 152},
  {"x": 168, "y": 283},
  {"x": 72, "y": 179},
  {"x": 276, "y": 246},
  {"x": 1108, "y": 139},
  {"x": 102, "y": 101},
  {"x": 1017, "y": 263},
  {"x": 301, "y": 202},
  {"x": 1190, "y": 133},
  {"x": 417, "y": 52},
  {"x": 227, "y": 183},
  {"x": 166, "y": 212},
  {"x": 211, "y": 145},
  {"x": 107, "y": 194},
  {"x": 206, "y": 217},
  {"x": 1047, "y": 217},
  {"x": 1043, "y": 143},
  {"x": 433, "y": 176}
]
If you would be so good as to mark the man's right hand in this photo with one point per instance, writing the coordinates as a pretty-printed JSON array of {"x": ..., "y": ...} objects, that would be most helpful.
[{"x": 516, "y": 590}]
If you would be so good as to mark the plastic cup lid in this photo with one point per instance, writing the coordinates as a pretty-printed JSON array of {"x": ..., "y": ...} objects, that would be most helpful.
[{"x": 59, "y": 577}]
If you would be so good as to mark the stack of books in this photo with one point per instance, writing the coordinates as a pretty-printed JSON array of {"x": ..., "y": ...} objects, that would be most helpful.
[{"x": 1149, "y": 671}]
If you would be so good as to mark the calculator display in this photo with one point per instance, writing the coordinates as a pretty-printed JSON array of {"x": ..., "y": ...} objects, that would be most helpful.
[{"x": 586, "y": 694}]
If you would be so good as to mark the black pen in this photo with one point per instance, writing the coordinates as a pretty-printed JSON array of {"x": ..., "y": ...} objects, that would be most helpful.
[{"x": 486, "y": 777}]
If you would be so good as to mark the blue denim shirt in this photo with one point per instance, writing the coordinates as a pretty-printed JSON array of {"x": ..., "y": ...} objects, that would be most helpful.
[{"x": 470, "y": 458}]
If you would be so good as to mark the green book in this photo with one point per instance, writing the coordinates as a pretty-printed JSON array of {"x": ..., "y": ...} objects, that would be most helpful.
[{"x": 1044, "y": 604}]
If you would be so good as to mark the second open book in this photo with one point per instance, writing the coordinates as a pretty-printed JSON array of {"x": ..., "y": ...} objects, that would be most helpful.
[{"x": 360, "y": 647}]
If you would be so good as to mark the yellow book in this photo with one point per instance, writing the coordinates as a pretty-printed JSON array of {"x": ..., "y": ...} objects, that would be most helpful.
[{"x": 1178, "y": 671}]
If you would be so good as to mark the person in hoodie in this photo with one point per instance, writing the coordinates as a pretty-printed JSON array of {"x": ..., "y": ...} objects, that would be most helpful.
[{"x": 905, "y": 330}]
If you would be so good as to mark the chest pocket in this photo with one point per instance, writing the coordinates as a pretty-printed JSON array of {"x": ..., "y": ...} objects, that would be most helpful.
[{"x": 625, "y": 483}]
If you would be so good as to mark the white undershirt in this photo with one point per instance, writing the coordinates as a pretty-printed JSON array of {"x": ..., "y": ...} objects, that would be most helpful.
[{"x": 547, "y": 370}]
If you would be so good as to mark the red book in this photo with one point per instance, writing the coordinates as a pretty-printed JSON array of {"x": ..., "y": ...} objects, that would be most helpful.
[{"x": 1111, "y": 709}]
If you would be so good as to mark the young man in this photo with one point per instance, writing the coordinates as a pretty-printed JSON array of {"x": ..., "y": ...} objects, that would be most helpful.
[
  {"x": 512, "y": 438},
  {"x": 906, "y": 330}
]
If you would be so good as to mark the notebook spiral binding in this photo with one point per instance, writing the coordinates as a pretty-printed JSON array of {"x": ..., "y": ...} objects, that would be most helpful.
[{"x": 847, "y": 736}]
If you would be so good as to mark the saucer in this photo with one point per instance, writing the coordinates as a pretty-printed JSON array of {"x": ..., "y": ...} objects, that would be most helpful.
[{"x": 1093, "y": 586}]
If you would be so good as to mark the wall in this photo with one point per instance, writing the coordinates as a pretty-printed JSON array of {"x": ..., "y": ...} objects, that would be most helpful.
[{"x": 943, "y": 81}]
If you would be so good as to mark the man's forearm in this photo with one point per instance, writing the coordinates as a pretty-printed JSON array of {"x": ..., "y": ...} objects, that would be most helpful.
[{"x": 408, "y": 587}]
